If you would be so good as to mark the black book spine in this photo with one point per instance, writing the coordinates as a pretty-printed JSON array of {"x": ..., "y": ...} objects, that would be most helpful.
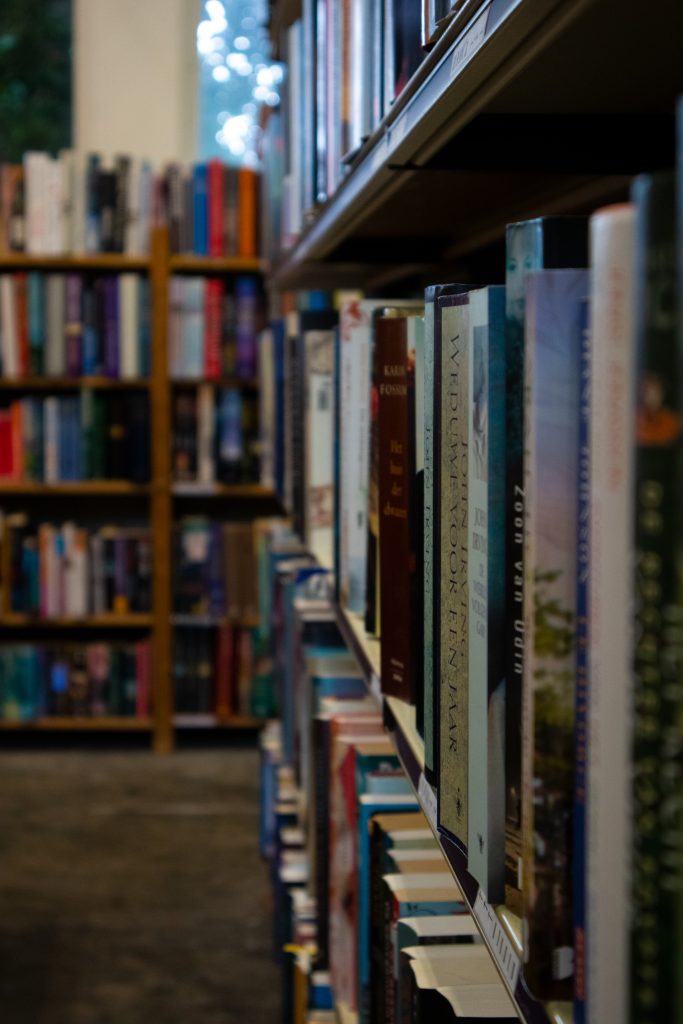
[{"x": 106, "y": 190}]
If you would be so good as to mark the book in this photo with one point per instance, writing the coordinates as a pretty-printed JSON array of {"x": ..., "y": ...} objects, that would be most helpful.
[
  {"x": 601, "y": 972},
  {"x": 453, "y": 580},
  {"x": 430, "y": 547},
  {"x": 550, "y": 242},
  {"x": 486, "y": 577},
  {"x": 655, "y": 876},
  {"x": 552, "y": 372},
  {"x": 395, "y": 348},
  {"x": 318, "y": 433}
]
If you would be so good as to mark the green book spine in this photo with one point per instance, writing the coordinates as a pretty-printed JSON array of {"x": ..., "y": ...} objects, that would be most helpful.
[
  {"x": 453, "y": 582},
  {"x": 658, "y": 721}
]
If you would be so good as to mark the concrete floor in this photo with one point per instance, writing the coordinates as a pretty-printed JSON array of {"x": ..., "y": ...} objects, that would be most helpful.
[{"x": 131, "y": 890}]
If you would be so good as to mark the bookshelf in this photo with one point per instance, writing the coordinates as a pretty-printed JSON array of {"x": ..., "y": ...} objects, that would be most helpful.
[
  {"x": 110, "y": 498},
  {"x": 513, "y": 114}
]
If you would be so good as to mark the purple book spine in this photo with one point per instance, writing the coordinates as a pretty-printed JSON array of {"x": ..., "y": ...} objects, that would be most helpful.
[
  {"x": 111, "y": 327},
  {"x": 246, "y": 305},
  {"x": 74, "y": 324}
]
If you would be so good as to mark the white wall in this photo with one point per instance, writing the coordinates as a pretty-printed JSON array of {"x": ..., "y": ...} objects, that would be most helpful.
[{"x": 135, "y": 77}]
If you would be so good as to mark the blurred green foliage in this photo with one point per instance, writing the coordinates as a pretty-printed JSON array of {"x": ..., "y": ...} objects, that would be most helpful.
[{"x": 35, "y": 76}]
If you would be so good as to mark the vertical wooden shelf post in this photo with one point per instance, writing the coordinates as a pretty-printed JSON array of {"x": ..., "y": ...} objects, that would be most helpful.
[{"x": 160, "y": 507}]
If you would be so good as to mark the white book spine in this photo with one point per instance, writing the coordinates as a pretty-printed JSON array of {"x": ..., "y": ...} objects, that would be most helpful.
[
  {"x": 318, "y": 432},
  {"x": 206, "y": 430},
  {"x": 34, "y": 202},
  {"x": 8, "y": 327},
  {"x": 610, "y": 616},
  {"x": 78, "y": 203},
  {"x": 51, "y": 440},
  {"x": 129, "y": 299},
  {"x": 54, "y": 200}
]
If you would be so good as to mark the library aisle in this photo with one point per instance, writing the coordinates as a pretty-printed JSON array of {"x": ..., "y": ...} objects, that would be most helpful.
[{"x": 132, "y": 891}]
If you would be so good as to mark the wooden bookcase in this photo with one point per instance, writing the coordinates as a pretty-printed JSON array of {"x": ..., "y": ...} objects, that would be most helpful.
[{"x": 158, "y": 496}]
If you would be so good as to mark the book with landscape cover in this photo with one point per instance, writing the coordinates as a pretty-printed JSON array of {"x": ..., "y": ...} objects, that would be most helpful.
[
  {"x": 550, "y": 242},
  {"x": 452, "y": 583},
  {"x": 553, "y": 340}
]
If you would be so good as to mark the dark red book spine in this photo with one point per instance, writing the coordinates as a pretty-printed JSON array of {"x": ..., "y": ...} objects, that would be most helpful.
[
  {"x": 396, "y": 392},
  {"x": 224, "y": 672},
  {"x": 20, "y": 285},
  {"x": 213, "y": 315}
]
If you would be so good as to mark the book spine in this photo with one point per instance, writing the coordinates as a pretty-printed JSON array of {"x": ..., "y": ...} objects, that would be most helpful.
[
  {"x": 200, "y": 210},
  {"x": 111, "y": 327},
  {"x": 21, "y": 306},
  {"x": 396, "y": 390},
  {"x": 36, "y": 323},
  {"x": 73, "y": 324},
  {"x": 486, "y": 576},
  {"x": 453, "y": 580},
  {"x": 51, "y": 439},
  {"x": 213, "y": 308},
  {"x": 9, "y": 327},
  {"x": 215, "y": 186},
  {"x": 428, "y": 520},
  {"x": 581, "y": 691},
  {"x": 91, "y": 361},
  {"x": 554, "y": 302},
  {"x": 55, "y": 348},
  {"x": 248, "y": 189},
  {"x": 206, "y": 424},
  {"x": 129, "y": 326},
  {"x": 656, "y": 877},
  {"x": 246, "y": 300}
]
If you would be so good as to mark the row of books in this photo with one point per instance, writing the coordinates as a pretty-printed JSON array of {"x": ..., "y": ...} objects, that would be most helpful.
[
  {"x": 80, "y": 203},
  {"x": 505, "y": 457},
  {"x": 215, "y": 436},
  {"x": 215, "y": 569},
  {"x": 347, "y": 64},
  {"x": 358, "y": 876},
  {"x": 72, "y": 325},
  {"x": 91, "y": 436},
  {"x": 220, "y": 672},
  {"x": 73, "y": 571},
  {"x": 213, "y": 330},
  {"x": 80, "y": 680}
]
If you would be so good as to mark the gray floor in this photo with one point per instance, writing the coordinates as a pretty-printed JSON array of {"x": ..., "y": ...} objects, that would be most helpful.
[{"x": 131, "y": 890}]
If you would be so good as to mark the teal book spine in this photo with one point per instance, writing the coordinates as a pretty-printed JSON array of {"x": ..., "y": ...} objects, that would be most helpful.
[
  {"x": 657, "y": 781},
  {"x": 486, "y": 574},
  {"x": 36, "y": 323},
  {"x": 553, "y": 342}
]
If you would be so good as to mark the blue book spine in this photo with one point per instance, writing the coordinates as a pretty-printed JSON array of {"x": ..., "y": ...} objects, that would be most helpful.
[
  {"x": 581, "y": 693},
  {"x": 215, "y": 571},
  {"x": 230, "y": 433},
  {"x": 246, "y": 308},
  {"x": 279, "y": 365},
  {"x": 145, "y": 328},
  {"x": 111, "y": 327},
  {"x": 92, "y": 204},
  {"x": 36, "y": 322},
  {"x": 90, "y": 338},
  {"x": 200, "y": 209}
]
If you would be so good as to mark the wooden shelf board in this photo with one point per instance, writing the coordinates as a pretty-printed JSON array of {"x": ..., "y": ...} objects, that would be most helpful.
[
  {"x": 201, "y": 621},
  {"x": 216, "y": 264},
  {"x": 131, "y": 621},
  {"x": 202, "y": 720},
  {"x": 94, "y": 487},
  {"x": 197, "y": 490},
  {"x": 69, "y": 261},
  {"x": 105, "y": 724},
  {"x": 243, "y": 383},
  {"x": 71, "y": 383}
]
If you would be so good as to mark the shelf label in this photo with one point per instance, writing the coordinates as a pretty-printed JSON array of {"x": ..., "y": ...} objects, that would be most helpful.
[
  {"x": 427, "y": 798},
  {"x": 469, "y": 44},
  {"x": 493, "y": 931}
]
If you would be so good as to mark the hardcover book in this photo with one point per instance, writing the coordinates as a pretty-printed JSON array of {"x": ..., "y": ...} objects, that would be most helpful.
[
  {"x": 552, "y": 367},
  {"x": 551, "y": 242},
  {"x": 453, "y": 576},
  {"x": 486, "y": 576}
]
